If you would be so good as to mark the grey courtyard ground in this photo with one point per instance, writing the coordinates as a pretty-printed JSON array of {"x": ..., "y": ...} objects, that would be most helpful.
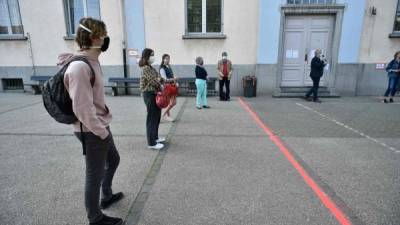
[{"x": 221, "y": 165}]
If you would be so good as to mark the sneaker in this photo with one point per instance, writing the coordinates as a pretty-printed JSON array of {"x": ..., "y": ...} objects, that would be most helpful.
[
  {"x": 169, "y": 119},
  {"x": 158, "y": 146},
  {"x": 391, "y": 100},
  {"x": 108, "y": 220},
  {"x": 159, "y": 140},
  {"x": 385, "y": 101},
  {"x": 198, "y": 107},
  {"x": 114, "y": 198},
  {"x": 206, "y": 107}
]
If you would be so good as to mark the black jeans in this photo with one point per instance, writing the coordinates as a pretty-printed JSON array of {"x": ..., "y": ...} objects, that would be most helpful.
[
  {"x": 102, "y": 160},
  {"x": 153, "y": 117},
  {"x": 314, "y": 89},
  {"x": 225, "y": 82}
]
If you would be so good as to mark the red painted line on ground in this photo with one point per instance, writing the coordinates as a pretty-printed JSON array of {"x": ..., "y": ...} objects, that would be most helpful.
[{"x": 325, "y": 199}]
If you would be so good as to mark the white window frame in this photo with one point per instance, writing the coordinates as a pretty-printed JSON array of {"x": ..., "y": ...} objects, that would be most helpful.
[
  {"x": 307, "y": 2},
  {"x": 395, "y": 17},
  {"x": 10, "y": 34},
  {"x": 204, "y": 22},
  {"x": 70, "y": 32}
]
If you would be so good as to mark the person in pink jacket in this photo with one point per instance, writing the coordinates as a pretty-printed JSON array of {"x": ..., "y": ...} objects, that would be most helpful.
[{"x": 88, "y": 102}]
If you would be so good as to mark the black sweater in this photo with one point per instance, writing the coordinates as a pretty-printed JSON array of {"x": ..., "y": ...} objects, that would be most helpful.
[
  {"x": 201, "y": 73},
  {"x": 317, "y": 67}
]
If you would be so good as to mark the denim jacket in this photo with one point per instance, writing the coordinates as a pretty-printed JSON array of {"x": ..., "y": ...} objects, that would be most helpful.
[{"x": 393, "y": 65}]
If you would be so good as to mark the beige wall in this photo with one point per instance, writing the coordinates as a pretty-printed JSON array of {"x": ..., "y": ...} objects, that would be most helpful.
[
  {"x": 376, "y": 46},
  {"x": 164, "y": 27},
  {"x": 47, "y": 29}
]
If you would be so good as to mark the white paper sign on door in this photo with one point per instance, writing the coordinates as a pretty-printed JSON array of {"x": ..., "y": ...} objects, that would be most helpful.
[
  {"x": 295, "y": 54},
  {"x": 289, "y": 54},
  {"x": 292, "y": 54}
]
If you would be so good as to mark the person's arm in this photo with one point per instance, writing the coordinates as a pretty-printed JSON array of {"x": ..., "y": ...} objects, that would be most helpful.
[
  {"x": 389, "y": 67},
  {"x": 163, "y": 73},
  {"x": 220, "y": 73},
  {"x": 81, "y": 93},
  {"x": 231, "y": 70}
]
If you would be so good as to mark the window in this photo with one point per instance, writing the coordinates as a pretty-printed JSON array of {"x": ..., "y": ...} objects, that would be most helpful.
[
  {"x": 204, "y": 16},
  {"x": 10, "y": 19},
  {"x": 304, "y": 2},
  {"x": 396, "y": 28},
  {"x": 76, "y": 9}
]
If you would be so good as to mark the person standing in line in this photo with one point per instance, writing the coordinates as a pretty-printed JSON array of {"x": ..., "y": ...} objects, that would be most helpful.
[
  {"x": 201, "y": 84},
  {"x": 225, "y": 74},
  {"x": 317, "y": 70},
  {"x": 169, "y": 77},
  {"x": 84, "y": 84},
  {"x": 393, "y": 70},
  {"x": 150, "y": 84}
]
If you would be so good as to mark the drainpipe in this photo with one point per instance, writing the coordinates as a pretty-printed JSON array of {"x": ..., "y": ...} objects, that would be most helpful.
[
  {"x": 122, "y": 8},
  {"x": 31, "y": 54}
]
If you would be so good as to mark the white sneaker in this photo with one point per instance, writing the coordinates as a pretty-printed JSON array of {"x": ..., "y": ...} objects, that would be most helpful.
[
  {"x": 160, "y": 140},
  {"x": 169, "y": 119},
  {"x": 158, "y": 146}
]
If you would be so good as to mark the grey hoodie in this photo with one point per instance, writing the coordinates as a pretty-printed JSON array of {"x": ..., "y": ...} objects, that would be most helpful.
[{"x": 88, "y": 103}]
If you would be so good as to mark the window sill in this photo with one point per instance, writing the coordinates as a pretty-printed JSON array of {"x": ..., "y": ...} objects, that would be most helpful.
[
  {"x": 12, "y": 38},
  {"x": 69, "y": 38},
  {"x": 394, "y": 35},
  {"x": 204, "y": 36}
]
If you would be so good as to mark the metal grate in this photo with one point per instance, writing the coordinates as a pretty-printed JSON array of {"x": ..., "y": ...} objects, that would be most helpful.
[
  {"x": 12, "y": 84},
  {"x": 310, "y": 2}
]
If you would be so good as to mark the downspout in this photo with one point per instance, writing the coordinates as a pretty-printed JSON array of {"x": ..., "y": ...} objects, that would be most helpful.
[
  {"x": 31, "y": 54},
  {"x": 123, "y": 19}
]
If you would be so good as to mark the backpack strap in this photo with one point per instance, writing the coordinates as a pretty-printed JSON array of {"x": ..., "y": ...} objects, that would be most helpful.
[
  {"x": 92, "y": 80},
  {"x": 85, "y": 60}
]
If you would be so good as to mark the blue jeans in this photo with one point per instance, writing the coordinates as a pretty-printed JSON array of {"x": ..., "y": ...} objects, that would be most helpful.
[{"x": 392, "y": 86}]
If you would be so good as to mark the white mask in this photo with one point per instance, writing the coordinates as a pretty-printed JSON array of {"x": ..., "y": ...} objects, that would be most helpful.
[
  {"x": 224, "y": 57},
  {"x": 151, "y": 60}
]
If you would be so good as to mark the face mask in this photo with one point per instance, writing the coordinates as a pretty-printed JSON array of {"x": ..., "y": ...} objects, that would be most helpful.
[
  {"x": 151, "y": 60},
  {"x": 224, "y": 57},
  {"x": 105, "y": 45}
]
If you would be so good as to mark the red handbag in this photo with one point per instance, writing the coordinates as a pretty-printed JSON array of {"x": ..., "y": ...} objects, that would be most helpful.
[
  {"x": 171, "y": 89},
  {"x": 162, "y": 100}
]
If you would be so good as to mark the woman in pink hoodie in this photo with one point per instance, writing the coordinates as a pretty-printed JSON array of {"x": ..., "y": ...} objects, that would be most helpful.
[{"x": 84, "y": 84}]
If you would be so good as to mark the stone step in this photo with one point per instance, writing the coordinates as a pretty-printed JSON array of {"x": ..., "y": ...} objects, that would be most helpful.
[
  {"x": 302, "y": 89},
  {"x": 298, "y": 92}
]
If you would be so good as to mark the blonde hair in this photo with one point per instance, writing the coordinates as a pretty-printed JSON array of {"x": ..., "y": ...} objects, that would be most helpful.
[{"x": 318, "y": 50}]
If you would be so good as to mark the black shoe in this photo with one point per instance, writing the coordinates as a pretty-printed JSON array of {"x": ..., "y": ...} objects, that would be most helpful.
[
  {"x": 107, "y": 220},
  {"x": 385, "y": 101},
  {"x": 317, "y": 101},
  {"x": 391, "y": 100},
  {"x": 114, "y": 198},
  {"x": 206, "y": 106},
  {"x": 307, "y": 98}
]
